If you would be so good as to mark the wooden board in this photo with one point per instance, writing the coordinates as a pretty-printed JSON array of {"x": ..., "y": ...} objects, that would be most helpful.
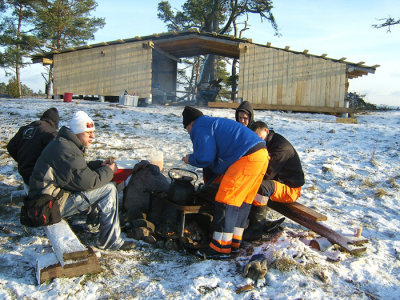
[
  {"x": 46, "y": 271},
  {"x": 347, "y": 243},
  {"x": 347, "y": 120},
  {"x": 298, "y": 208}
]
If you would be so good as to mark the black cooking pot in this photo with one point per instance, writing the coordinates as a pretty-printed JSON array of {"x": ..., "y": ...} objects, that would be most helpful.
[{"x": 181, "y": 189}]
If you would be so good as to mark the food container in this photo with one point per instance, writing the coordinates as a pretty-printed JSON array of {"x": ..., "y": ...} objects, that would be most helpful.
[{"x": 124, "y": 170}]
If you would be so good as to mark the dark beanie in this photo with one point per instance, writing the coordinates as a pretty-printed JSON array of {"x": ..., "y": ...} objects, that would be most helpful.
[
  {"x": 51, "y": 115},
  {"x": 190, "y": 114}
]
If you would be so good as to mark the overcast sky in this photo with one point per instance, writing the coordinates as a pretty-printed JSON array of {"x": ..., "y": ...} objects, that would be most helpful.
[{"x": 340, "y": 28}]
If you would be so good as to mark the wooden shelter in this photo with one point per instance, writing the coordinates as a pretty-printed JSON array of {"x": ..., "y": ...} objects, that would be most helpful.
[{"x": 269, "y": 77}]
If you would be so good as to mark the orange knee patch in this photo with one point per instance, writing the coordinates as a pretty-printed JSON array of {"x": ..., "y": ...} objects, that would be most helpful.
[{"x": 284, "y": 193}]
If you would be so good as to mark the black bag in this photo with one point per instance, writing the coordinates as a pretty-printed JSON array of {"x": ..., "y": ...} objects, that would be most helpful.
[{"x": 42, "y": 211}]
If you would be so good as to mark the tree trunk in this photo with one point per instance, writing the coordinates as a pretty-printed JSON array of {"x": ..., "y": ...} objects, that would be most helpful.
[
  {"x": 17, "y": 61},
  {"x": 49, "y": 82}
]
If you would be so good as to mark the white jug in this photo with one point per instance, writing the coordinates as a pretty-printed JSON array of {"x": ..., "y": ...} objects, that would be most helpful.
[{"x": 157, "y": 158}]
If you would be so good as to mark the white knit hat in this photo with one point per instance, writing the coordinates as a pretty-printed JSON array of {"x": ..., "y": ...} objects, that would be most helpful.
[{"x": 81, "y": 122}]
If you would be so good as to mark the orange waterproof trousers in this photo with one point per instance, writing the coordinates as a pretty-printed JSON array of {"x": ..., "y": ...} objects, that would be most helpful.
[
  {"x": 236, "y": 192},
  {"x": 282, "y": 193}
]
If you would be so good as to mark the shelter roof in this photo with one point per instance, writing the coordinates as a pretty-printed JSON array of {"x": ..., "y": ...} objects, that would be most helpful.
[{"x": 178, "y": 44}]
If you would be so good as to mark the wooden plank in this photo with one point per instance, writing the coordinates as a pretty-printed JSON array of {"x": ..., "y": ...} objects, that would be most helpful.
[
  {"x": 347, "y": 120},
  {"x": 275, "y": 76},
  {"x": 47, "y": 267},
  {"x": 334, "y": 237},
  {"x": 258, "y": 74},
  {"x": 291, "y": 93},
  {"x": 264, "y": 82},
  {"x": 251, "y": 66},
  {"x": 314, "y": 95},
  {"x": 285, "y": 77},
  {"x": 280, "y": 81},
  {"x": 306, "y": 99},
  {"x": 296, "y": 207},
  {"x": 299, "y": 79},
  {"x": 242, "y": 70},
  {"x": 342, "y": 85},
  {"x": 270, "y": 76}
]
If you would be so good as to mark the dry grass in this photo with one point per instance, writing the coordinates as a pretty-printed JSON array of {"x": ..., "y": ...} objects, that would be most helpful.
[
  {"x": 287, "y": 264},
  {"x": 368, "y": 183},
  {"x": 380, "y": 193}
]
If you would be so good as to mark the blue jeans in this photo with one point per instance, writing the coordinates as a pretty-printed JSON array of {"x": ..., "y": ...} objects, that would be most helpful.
[{"x": 105, "y": 201}]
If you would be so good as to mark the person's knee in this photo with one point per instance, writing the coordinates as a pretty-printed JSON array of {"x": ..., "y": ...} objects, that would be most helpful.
[
  {"x": 110, "y": 187},
  {"x": 109, "y": 198}
]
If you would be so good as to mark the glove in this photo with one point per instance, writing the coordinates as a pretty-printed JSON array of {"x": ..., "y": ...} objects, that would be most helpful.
[{"x": 256, "y": 268}]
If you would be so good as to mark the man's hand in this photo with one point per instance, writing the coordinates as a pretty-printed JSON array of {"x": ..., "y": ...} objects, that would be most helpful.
[
  {"x": 108, "y": 161},
  {"x": 186, "y": 158},
  {"x": 113, "y": 167}
]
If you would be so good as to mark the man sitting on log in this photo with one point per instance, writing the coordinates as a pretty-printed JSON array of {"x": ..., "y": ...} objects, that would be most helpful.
[
  {"x": 86, "y": 186},
  {"x": 240, "y": 159},
  {"x": 282, "y": 181}
]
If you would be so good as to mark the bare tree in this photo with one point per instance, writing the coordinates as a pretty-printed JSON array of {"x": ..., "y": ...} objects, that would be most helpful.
[{"x": 387, "y": 22}]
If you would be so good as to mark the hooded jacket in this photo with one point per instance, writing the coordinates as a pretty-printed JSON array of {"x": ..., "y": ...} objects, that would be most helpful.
[
  {"x": 284, "y": 165},
  {"x": 27, "y": 144},
  {"x": 62, "y": 165},
  {"x": 219, "y": 142},
  {"x": 246, "y": 107}
]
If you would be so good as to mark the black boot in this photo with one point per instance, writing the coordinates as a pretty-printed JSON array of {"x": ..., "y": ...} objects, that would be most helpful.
[
  {"x": 259, "y": 225},
  {"x": 255, "y": 229}
]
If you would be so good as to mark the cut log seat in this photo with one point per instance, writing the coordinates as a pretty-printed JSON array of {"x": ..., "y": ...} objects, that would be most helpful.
[
  {"x": 48, "y": 267},
  {"x": 70, "y": 258},
  {"x": 65, "y": 243}
]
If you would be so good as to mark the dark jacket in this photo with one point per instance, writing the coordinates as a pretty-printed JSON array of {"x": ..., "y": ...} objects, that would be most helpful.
[
  {"x": 62, "y": 165},
  {"x": 26, "y": 146},
  {"x": 284, "y": 165},
  {"x": 246, "y": 107}
]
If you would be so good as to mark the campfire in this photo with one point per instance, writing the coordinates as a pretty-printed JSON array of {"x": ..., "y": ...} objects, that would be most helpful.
[{"x": 162, "y": 226}]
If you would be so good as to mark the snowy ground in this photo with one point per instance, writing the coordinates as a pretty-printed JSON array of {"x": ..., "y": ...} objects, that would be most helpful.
[{"x": 352, "y": 176}]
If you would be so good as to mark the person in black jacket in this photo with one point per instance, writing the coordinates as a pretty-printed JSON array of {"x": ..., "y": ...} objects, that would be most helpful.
[
  {"x": 27, "y": 144},
  {"x": 282, "y": 181}
]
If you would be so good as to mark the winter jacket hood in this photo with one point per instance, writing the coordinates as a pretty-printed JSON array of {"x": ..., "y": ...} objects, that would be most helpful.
[
  {"x": 51, "y": 116},
  {"x": 245, "y": 107}
]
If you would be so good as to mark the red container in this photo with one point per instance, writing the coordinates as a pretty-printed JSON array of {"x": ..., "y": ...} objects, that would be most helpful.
[
  {"x": 68, "y": 97},
  {"x": 121, "y": 175}
]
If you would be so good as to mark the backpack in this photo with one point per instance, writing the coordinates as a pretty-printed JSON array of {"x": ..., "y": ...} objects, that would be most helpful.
[{"x": 41, "y": 211}]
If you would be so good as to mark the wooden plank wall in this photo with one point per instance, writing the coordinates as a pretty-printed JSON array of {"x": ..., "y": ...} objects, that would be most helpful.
[
  {"x": 107, "y": 71},
  {"x": 278, "y": 77}
]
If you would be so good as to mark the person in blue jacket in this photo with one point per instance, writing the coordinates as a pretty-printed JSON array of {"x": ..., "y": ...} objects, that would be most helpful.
[{"x": 240, "y": 159}]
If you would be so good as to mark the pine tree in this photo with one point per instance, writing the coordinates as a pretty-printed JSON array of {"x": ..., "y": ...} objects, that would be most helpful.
[
  {"x": 65, "y": 23},
  {"x": 17, "y": 38}
]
